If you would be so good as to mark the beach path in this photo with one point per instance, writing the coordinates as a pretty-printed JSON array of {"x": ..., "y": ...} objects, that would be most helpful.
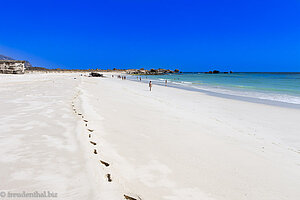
[{"x": 39, "y": 138}]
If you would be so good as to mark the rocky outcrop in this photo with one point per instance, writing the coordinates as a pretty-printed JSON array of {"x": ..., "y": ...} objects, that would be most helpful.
[
  {"x": 95, "y": 74},
  {"x": 213, "y": 72},
  {"x": 159, "y": 71},
  {"x": 217, "y": 72}
]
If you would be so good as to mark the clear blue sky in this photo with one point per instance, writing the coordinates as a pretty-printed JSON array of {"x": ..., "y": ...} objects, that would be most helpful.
[{"x": 254, "y": 35}]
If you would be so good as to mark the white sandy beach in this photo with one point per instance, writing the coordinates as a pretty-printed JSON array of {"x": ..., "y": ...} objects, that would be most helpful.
[{"x": 165, "y": 144}]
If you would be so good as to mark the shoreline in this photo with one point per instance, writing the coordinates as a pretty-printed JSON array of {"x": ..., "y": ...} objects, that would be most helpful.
[{"x": 227, "y": 96}]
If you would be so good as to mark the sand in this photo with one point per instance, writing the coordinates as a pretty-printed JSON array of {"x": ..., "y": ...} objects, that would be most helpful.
[{"x": 165, "y": 144}]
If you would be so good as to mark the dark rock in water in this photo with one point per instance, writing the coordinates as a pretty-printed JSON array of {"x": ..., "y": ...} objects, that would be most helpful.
[
  {"x": 212, "y": 72},
  {"x": 95, "y": 74},
  {"x": 230, "y": 72},
  {"x": 176, "y": 71}
]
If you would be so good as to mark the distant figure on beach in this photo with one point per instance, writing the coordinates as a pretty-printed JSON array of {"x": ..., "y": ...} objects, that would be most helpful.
[
  {"x": 140, "y": 78},
  {"x": 150, "y": 85},
  {"x": 137, "y": 78},
  {"x": 166, "y": 82}
]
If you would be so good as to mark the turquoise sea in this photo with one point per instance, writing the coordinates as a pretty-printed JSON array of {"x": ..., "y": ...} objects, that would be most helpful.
[{"x": 280, "y": 87}]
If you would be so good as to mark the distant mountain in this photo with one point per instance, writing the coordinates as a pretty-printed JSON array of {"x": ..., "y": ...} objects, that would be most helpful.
[
  {"x": 27, "y": 63},
  {"x": 2, "y": 57}
]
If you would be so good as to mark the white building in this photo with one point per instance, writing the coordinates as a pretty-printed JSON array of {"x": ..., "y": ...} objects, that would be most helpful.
[{"x": 12, "y": 66}]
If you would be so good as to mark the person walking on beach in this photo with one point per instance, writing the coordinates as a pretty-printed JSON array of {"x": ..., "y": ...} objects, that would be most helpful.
[
  {"x": 150, "y": 85},
  {"x": 140, "y": 78},
  {"x": 166, "y": 82}
]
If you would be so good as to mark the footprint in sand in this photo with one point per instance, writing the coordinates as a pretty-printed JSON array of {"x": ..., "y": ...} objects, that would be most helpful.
[
  {"x": 104, "y": 163},
  {"x": 131, "y": 198},
  {"x": 89, "y": 135},
  {"x": 90, "y": 130},
  {"x": 94, "y": 143},
  {"x": 95, "y": 151},
  {"x": 108, "y": 176}
]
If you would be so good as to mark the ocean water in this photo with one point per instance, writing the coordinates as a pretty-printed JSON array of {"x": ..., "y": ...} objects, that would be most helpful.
[{"x": 280, "y": 87}]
